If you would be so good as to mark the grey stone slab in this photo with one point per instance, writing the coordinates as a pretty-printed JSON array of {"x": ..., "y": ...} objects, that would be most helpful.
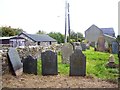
[
  {"x": 101, "y": 44},
  {"x": 30, "y": 65},
  {"x": 15, "y": 62},
  {"x": 66, "y": 50},
  {"x": 77, "y": 63},
  {"x": 115, "y": 47},
  {"x": 83, "y": 45},
  {"x": 49, "y": 63}
]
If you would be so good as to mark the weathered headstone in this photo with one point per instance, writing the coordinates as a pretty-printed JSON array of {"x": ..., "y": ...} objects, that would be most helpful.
[
  {"x": 111, "y": 62},
  {"x": 101, "y": 44},
  {"x": 66, "y": 50},
  {"x": 15, "y": 62},
  {"x": 77, "y": 45},
  {"x": 114, "y": 47},
  {"x": 77, "y": 63},
  {"x": 49, "y": 63},
  {"x": 30, "y": 65},
  {"x": 83, "y": 45},
  {"x": 106, "y": 45},
  {"x": 87, "y": 46}
]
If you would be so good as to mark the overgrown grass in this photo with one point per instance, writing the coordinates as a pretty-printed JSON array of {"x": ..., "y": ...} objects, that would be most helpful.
[{"x": 95, "y": 65}]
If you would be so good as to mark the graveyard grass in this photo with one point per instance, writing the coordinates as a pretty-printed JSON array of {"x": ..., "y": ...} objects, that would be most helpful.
[{"x": 95, "y": 66}]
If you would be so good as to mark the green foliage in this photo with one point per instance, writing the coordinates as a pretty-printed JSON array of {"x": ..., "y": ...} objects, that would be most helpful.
[
  {"x": 76, "y": 36},
  {"x": 8, "y": 31},
  {"x": 41, "y": 32},
  {"x": 39, "y": 67},
  {"x": 58, "y": 36},
  {"x": 63, "y": 69},
  {"x": 96, "y": 62}
]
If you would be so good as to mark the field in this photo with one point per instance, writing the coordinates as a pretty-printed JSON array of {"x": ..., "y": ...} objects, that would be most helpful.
[{"x": 95, "y": 66}]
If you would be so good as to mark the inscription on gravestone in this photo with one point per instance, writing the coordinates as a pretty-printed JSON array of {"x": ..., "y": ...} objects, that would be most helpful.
[
  {"x": 30, "y": 65},
  {"x": 15, "y": 62},
  {"x": 77, "y": 63},
  {"x": 49, "y": 63},
  {"x": 66, "y": 50}
]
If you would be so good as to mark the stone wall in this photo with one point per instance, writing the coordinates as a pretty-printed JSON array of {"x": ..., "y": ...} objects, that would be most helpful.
[{"x": 24, "y": 52}]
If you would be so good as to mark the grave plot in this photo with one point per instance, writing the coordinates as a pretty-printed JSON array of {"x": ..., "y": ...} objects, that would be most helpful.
[
  {"x": 49, "y": 63},
  {"x": 15, "y": 62},
  {"x": 66, "y": 50},
  {"x": 101, "y": 44},
  {"x": 77, "y": 63},
  {"x": 30, "y": 65}
]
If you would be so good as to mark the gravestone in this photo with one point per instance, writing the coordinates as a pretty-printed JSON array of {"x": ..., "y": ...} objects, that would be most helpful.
[
  {"x": 77, "y": 63},
  {"x": 114, "y": 47},
  {"x": 30, "y": 65},
  {"x": 106, "y": 45},
  {"x": 101, "y": 44},
  {"x": 49, "y": 63},
  {"x": 15, "y": 62},
  {"x": 87, "y": 46},
  {"x": 66, "y": 50},
  {"x": 111, "y": 63},
  {"x": 83, "y": 45},
  {"x": 77, "y": 45}
]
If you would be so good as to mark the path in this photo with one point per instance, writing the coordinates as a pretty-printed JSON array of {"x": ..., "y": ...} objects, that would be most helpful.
[{"x": 36, "y": 81}]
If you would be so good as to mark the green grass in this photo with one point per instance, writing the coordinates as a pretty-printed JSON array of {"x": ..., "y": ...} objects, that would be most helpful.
[
  {"x": 95, "y": 65},
  {"x": 63, "y": 69}
]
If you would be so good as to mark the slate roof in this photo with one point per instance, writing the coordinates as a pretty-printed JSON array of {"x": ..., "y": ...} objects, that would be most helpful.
[
  {"x": 108, "y": 30},
  {"x": 39, "y": 37}
]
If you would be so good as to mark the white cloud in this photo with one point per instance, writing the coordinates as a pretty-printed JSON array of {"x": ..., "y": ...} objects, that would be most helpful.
[{"x": 48, "y": 15}]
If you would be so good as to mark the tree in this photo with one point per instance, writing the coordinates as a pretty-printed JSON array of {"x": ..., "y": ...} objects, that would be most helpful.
[
  {"x": 76, "y": 36},
  {"x": 41, "y": 32},
  {"x": 8, "y": 31},
  {"x": 58, "y": 36}
]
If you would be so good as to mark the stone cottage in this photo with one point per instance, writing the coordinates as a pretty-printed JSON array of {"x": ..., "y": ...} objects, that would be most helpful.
[
  {"x": 93, "y": 33},
  {"x": 24, "y": 39},
  {"x": 37, "y": 39}
]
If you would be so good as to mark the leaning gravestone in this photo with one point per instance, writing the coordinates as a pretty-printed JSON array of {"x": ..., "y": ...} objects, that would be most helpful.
[
  {"x": 101, "y": 44},
  {"x": 66, "y": 50},
  {"x": 49, "y": 63},
  {"x": 15, "y": 62},
  {"x": 114, "y": 47},
  {"x": 77, "y": 63},
  {"x": 30, "y": 65}
]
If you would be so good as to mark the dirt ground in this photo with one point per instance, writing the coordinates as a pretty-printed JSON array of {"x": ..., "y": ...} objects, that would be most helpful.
[{"x": 38, "y": 81}]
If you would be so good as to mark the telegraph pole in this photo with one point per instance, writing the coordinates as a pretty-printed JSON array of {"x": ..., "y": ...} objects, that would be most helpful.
[
  {"x": 67, "y": 21},
  {"x": 65, "y": 41}
]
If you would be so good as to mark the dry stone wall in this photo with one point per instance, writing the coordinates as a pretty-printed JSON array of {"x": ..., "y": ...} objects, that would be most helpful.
[{"x": 24, "y": 52}]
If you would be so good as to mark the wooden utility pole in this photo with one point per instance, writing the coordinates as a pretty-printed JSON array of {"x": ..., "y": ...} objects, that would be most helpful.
[
  {"x": 65, "y": 41},
  {"x": 67, "y": 21}
]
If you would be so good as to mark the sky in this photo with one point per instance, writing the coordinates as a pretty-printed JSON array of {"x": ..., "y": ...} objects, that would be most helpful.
[{"x": 49, "y": 15}]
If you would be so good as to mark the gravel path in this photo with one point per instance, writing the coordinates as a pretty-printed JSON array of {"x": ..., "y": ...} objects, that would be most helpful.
[{"x": 36, "y": 81}]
